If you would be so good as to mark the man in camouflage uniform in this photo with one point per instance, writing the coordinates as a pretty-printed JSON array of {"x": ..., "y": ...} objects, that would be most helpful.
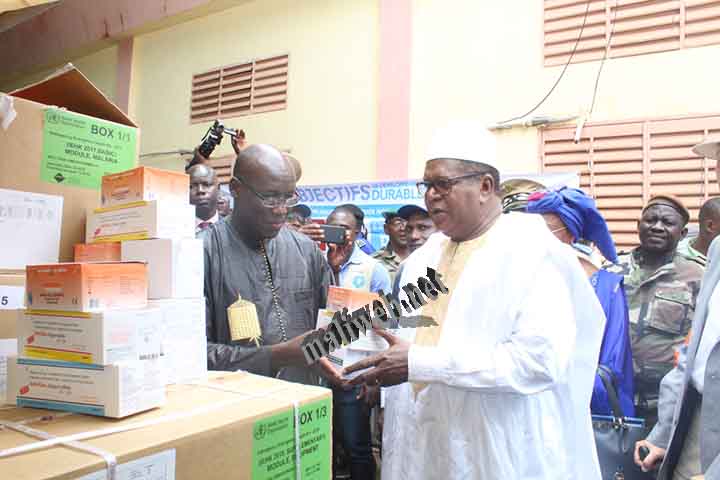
[
  {"x": 661, "y": 288},
  {"x": 515, "y": 193},
  {"x": 396, "y": 249},
  {"x": 696, "y": 248}
]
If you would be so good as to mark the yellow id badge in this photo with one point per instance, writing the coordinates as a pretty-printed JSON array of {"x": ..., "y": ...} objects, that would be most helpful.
[{"x": 243, "y": 321}]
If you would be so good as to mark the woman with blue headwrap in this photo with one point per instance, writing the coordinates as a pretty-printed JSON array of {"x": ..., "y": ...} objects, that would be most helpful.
[{"x": 572, "y": 216}]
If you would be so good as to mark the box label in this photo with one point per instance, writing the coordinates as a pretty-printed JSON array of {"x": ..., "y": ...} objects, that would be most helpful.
[
  {"x": 7, "y": 348},
  {"x": 78, "y": 150},
  {"x": 273, "y": 456},
  {"x": 11, "y": 298},
  {"x": 159, "y": 466}
]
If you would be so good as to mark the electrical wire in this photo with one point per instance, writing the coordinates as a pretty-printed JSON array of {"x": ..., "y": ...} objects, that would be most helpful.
[
  {"x": 602, "y": 63},
  {"x": 572, "y": 54}
]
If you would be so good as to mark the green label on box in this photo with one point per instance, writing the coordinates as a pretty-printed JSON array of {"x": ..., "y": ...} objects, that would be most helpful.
[
  {"x": 78, "y": 150},
  {"x": 274, "y": 444}
]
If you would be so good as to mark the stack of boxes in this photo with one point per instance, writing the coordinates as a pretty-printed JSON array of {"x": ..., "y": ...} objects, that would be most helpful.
[
  {"x": 30, "y": 226},
  {"x": 87, "y": 341},
  {"x": 103, "y": 336},
  {"x": 147, "y": 210}
]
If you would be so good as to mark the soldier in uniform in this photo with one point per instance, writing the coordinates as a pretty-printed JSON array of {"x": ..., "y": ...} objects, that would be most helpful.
[
  {"x": 661, "y": 288},
  {"x": 515, "y": 193},
  {"x": 396, "y": 249},
  {"x": 708, "y": 228}
]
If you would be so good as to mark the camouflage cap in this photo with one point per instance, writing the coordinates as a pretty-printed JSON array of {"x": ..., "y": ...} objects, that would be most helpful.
[
  {"x": 515, "y": 193},
  {"x": 670, "y": 201}
]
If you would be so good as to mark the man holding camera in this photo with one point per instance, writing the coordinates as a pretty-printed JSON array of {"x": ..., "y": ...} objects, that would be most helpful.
[{"x": 355, "y": 269}]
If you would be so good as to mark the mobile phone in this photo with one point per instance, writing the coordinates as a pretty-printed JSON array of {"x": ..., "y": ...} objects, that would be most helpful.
[{"x": 333, "y": 234}]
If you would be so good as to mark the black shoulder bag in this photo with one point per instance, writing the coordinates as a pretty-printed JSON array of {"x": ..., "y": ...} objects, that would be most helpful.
[{"x": 615, "y": 436}]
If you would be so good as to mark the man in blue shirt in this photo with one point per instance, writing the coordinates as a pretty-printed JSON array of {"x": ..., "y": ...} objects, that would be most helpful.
[{"x": 354, "y": 268}]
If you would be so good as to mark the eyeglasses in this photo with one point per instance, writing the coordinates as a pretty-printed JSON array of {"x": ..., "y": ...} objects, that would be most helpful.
[
  {"x": 274, "y": 200},
  {"x": 444, "y": 186}
]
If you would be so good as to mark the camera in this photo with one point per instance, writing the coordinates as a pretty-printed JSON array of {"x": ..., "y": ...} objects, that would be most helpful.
[{"x": 213, "y": 137}]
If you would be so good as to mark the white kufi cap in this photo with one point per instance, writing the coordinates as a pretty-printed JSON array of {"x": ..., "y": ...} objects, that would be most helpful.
[{"x": 470, "y": 141}]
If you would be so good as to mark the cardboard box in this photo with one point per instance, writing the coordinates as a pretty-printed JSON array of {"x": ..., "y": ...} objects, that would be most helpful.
[
  {"x": 12, "y": 297},
  {"x": 144, "y": 184},
  {"x": 29, "y": 228},
  {"x": 237, "y": 426},
  {"x": 98, "y": 252},
  {"x": 97, "y": 338},
  {"x": 140, "y": 222},
  {"x": 86, "y": 287},
  {"x": 114, "y": 391},
  {"x": 339, "y": 297},
  {"x": 58, "y": 137},
  {"x": 184, "y": 344},
  {"x": 175, "y": 267}
]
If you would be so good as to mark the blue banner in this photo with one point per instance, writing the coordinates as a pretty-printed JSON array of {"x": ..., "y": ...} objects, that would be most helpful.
[{"x": 374, "y": 198}]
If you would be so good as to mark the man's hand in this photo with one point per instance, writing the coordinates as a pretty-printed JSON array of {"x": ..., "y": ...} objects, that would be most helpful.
[
  {"x": 238, "y": 143},
  {"x": 314, "y": 231},
  {"x": 654, "y": 458},
  {"x": 370, "y": 394},
  {"x": 391, "y": 366},
  {"x": 338, "y": 255},
  {"x": 325, "y": 369},
  {"x": 288, "y": 353}
]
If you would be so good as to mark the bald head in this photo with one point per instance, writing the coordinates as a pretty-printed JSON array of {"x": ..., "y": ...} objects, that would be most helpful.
[
  {"x": 295, "y": 165},
  {"x": 262, "y": 173},
  {"x": 257, "y": 161},
  {"x": 709, "y": 219},
  {"x": 710, "y": 210}
]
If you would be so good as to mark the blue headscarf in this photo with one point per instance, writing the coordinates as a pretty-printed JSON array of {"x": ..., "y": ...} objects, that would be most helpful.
[{"x": 579, "y": 214}]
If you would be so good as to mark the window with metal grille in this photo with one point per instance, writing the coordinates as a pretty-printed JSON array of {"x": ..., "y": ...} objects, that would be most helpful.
[
  {"x": 622, "y": 164},
  {"x": 223, "y": 167},
  {"x": 636, "y": 26},
  {"x": 240, "y": 89}
]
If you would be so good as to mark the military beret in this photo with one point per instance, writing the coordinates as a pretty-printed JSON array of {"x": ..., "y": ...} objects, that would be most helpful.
[{"x": 670, "y": 201}]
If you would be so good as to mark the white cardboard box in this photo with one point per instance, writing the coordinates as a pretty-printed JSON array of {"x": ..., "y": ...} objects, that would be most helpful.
[
  {"x": 12, "y": 297},
  {"x": 144, "y": 220},
  {"x": 113, "y": 391},
  {"x": 30, "y": 226},
  {"x": 184, "y": 340},
  {"x": 100, "y": 338},
  {"x": 175, "y": 267}
]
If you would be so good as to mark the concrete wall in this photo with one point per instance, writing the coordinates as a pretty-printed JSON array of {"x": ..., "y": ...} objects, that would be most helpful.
[
  {"x": 483, "y": 60},
  {"x": 330, "y": 121},
  {"x": 468, "y": 59}
]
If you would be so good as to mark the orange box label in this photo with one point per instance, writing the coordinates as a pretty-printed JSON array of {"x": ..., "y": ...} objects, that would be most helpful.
[
  {"x": 351, "y": 298},
  {"x": 86, "y": 287},
  {"x": 144, "y": 184},
  {"x": 98, "y": 252}
]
